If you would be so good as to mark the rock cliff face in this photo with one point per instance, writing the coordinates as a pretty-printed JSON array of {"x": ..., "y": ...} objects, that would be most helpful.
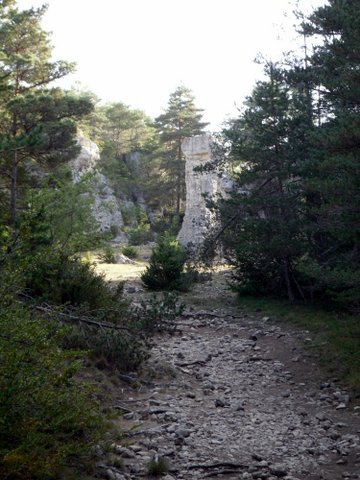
[
  {"x": 199, "y": 185},
  {"x": 87, "y": 160},
  {"x": 105, "y": 208}
]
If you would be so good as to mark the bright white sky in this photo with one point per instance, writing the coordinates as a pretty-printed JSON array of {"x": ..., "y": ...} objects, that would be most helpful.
[{"x": 138, "y": 51}]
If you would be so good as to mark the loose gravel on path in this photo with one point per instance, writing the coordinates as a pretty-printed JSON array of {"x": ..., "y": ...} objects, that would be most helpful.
[{"x": 237, "y": 396}]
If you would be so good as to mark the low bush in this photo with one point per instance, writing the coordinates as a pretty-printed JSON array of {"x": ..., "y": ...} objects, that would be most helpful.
[
  {"x": 140, "y": 234},
  {"x": 158, "y": 466},
  {"x": 129, "y": 251},
  {"x": 68, "y": 291},
  {"x": 165, "y": 270},
  {"x": 118, "y": 339},
  {"x": 54, "y": 276},
  {"x": 120, "y": 345},
  {"x": 48, "y": 418},
  {"x": 169, "y": 224},
  {"x": 107, "y": 256},
  {"x": 158, "y": 314}
]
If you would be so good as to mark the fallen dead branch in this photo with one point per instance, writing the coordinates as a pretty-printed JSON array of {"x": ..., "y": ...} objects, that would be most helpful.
[
  {"x": 209, "y": 314},
  {"x": 221, "y": 472},
  {"x": 189, "y": 364},
  {"x": 208, "y": 466}
]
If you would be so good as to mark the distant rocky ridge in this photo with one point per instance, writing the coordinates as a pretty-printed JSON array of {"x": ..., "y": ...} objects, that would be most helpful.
[{"x": 200, "y": 185}]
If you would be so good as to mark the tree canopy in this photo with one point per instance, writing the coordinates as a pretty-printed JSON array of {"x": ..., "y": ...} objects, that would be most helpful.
[
  {"x": 180, "y": 119},
  {"x": 292, "y": 222},
  {"x": 37, "y": 126}
]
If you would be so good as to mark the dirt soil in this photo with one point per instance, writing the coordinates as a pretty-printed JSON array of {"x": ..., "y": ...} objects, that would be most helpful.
[{"x": 233, "y": 395}]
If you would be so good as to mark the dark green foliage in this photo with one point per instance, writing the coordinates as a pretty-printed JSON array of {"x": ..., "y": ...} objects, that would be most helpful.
[
  {"x": 119, "y": 345},
  {"x": 158, "y": 466},
  {"x": 167, "y": 224},
  {"x": 47, "y": 417},
  {"x": 37, "y": 124},
  {"x": 140, "y": 234},
  {"x": 67, "y": 290},
  {"x": 291, "y": 225},
  {"x": 332, "y": 178},
  {"x": 65, "y": 209},
  {"x": 129, "y": 251},
  {"x": 167, "y": 261},
  {"x": 137, "y": 225},
  {"x": 264, "y": 211},
  {"x": 180, "y": 120},
  {"x": 158, "y": 314},
  {"x": 54, "y": 276},
  {"x": 49, "y": 270},
  {"x": 107, "y": 256}
]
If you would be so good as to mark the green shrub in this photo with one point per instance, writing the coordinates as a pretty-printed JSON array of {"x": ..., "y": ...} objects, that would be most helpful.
[
  {"x": 122, "y": 346},
  {"x": 53, "y": 276},
  {"x": 158, "y": 466},
  {"x": 165, "y": 270},
  {"x": 140, "y": 234},
  {"x": 129, "y": 251},
  {"x": 114, "y": 231},
  {"x": 47, "y": 417},
  {"x": 133, "y": 215},
  {"x": 69, "y": 291},
  {"x": 107, "y": 256},
  {"x": 158, "y": 314},
  {"x": 169, "y": 224}
]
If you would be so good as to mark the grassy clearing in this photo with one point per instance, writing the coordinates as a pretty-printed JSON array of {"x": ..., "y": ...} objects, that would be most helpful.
[
  {"x": 117, "y": 272},
  {"x": 121, "y": 272},
  {"x": 337, "y": 334}
]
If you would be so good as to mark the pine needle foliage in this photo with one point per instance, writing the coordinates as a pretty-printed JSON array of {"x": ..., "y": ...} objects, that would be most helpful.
[{"x": 167, "y": 261}]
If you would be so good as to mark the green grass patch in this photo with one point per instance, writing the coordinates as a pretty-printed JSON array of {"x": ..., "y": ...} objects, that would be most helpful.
[
  {"x": 336, "y": 334},
  {"x": 157, "y": 467}
]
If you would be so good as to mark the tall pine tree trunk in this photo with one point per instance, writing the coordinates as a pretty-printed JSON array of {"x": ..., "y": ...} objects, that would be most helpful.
[
  {"x": 287, "y": 270},
  {"x": 13, "y": 202},
  {"x": 14, "y": 173}
]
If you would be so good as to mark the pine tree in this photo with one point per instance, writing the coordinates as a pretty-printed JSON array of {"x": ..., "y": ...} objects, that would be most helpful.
[
  {"x": 35, "y": 123},
  {"x": 333, "y": 174},
  {"x": 293, "y": 222},
  {"x": 264, "y": 211},
  {"x": 181, "y": 119}
]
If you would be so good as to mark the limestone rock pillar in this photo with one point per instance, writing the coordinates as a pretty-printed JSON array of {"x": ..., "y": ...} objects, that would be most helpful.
[{"x": 198, "y": 218}]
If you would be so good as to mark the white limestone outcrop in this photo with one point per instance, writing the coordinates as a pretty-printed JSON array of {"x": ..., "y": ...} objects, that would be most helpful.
[
  {"x": 105, "y": 208},
  {"x": 87, "y": 160},
  {"x": 198, "y": 217}
]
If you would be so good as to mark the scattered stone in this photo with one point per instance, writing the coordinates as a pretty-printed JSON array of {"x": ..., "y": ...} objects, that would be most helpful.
[
  {"x": 128, "y": 416},
  {"x": 290, "y": 423},
  {"x": 278, "y": 470},
  {"x": 182, "y": 432}
]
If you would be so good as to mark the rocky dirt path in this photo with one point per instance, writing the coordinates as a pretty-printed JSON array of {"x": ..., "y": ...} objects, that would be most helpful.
[{"x": 236, "y": 396}]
